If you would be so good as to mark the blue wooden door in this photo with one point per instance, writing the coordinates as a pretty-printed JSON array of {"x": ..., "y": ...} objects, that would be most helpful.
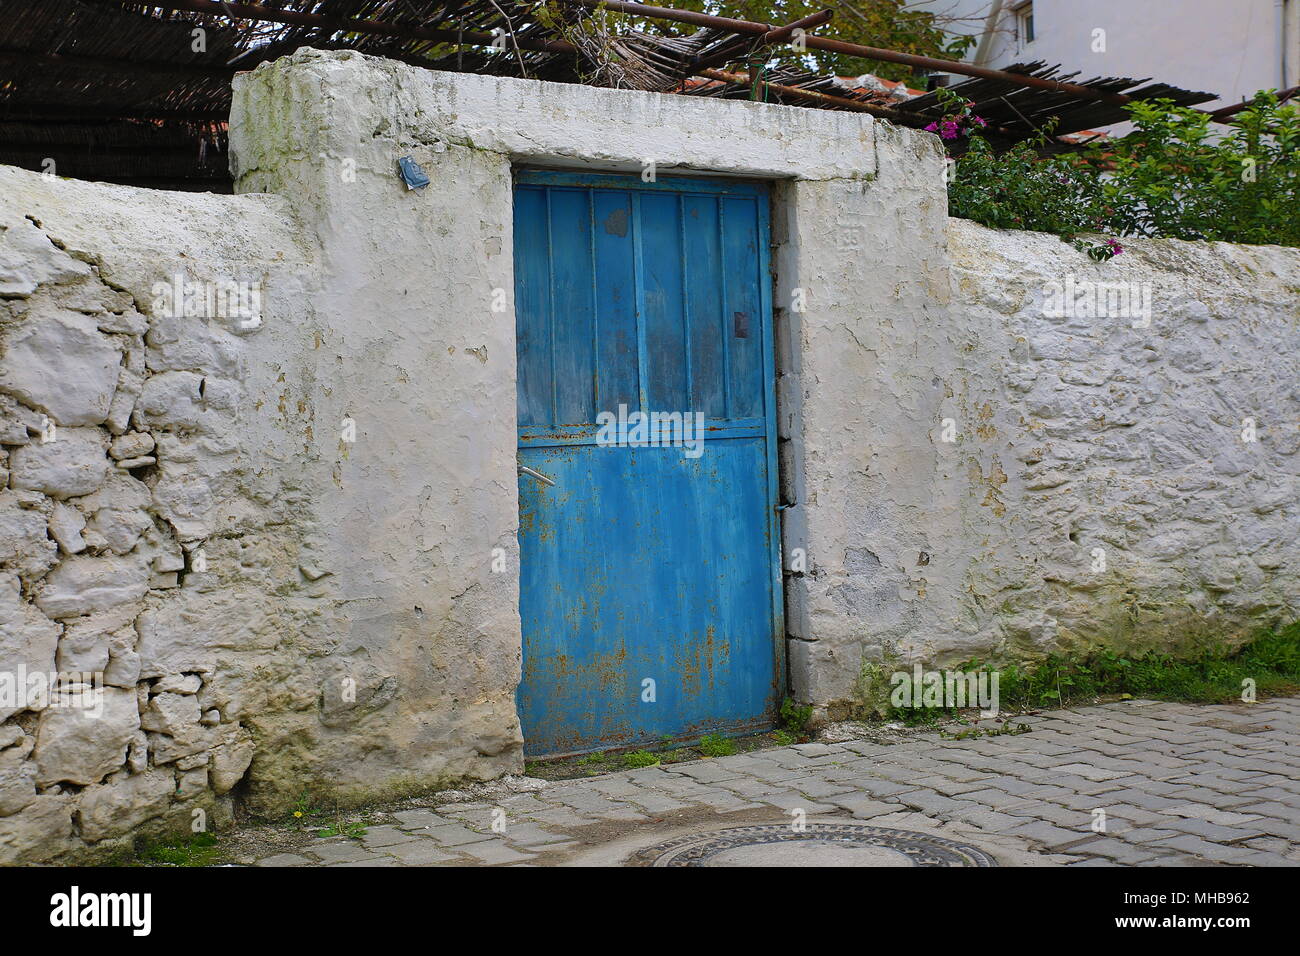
[{"x": 650, "y": 578}]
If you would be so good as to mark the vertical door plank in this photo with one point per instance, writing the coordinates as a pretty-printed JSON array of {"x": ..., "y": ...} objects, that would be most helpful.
[
  {"x": 574, "y": 299},
  {"x": 617, "y": 380},
  {"x": 664, "y": 319},
  {"x": 532, "y": 293},
  {"x": 744, "y": 319},
  {"x": 703, "y": 253}
]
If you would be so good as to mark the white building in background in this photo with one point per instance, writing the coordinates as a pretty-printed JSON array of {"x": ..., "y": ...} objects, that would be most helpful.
[{"x": 1229, "y": 47}]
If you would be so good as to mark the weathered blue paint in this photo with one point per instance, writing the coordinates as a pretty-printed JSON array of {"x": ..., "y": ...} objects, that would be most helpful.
[{"x": 642, "y": 563}]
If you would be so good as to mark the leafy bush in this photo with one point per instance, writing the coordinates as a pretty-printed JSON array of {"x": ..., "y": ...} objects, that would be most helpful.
[{"x": 1175, "y": 176}]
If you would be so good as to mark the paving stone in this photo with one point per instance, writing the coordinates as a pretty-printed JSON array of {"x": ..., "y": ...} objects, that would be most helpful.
[
  {"x": 1210, "y": 814},
  {"x": 594, "y": 805},
  {"x": 531, "y": 835},
  {"x": 284, "y": 859},
  {"x": 727, "y": 803},
  {"x": 420, "y": 853},
  {"x": 451, "y": 834},
  {"x": 1052, "y": 837},
  {"x": 1203, "y": 848},
  {"x": 1135, "y": 815},
  {"x": 1063, "y": 817},
  {"x": 495, "y": 852},
  {"x": 343, "y": 853},
  {"x": 818, "y": 789},
  {"x": 789, "y": 800},
  {"x": 1271, "y": 809},
  {"x": 861, "y": 806},
  {"x": 418, "y": 819},
  {"x": 1094, "y": 861},
  {"x": 1117, "y": 850},
  {"x": 1211, "y": 831},
  {"x": 524, "y": 804},
  {"x": 994, "y": 821},
  {"x": 651, "y": 802},
  {"x": 561, "y": 817},
  {"x": 618, "y": 787},
  {"x": 704, "y": 771},
  {"x": 383, "y": 836},
  {"x": 1281, "y": 828},
  {"x": 1148, "y": 835},
  {"x": 749, "y": 789},
  {"x": 875, "y": 787},
  {"x": 933, "y": 804},
  {"x": 998, "y": 799},
  {"x": 376, "y": 861}
]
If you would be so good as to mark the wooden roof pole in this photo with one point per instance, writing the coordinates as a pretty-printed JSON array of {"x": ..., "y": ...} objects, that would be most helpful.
[{"x": 856, "y": 49}]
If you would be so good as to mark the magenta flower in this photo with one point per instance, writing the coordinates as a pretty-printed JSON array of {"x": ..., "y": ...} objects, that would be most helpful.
[
  {"x": 1115, "y": 248},
  {"x": 932, "y": 128},
  {"x": 949, "y": 129}
]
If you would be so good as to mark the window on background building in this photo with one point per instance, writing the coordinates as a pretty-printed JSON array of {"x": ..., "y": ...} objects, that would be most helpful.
[{"x": 1024, "y": 15}]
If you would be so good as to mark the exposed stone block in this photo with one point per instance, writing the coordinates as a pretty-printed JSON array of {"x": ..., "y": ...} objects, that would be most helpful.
[
  {"x": 83, "y": 585},
  {"x": 74, "y": 746},
  {"x": 171, "y": 714},
  {"x": 231, "y": 759},
  {"x": 59, "y": 362},
  {"x": 74, "y": 463},
  {"x": 24, "y": 544},
  {"x": 39, "y": 832},
  {"x": 27, "y": 642},
  {"x": 116, "y": 809}
]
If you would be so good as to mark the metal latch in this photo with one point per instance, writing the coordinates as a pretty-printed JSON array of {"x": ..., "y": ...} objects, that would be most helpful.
[{"x": 525, "y": 470}]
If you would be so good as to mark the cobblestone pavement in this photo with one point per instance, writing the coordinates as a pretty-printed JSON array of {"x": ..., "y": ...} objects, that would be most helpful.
[{"x": 1180, "y": 785}]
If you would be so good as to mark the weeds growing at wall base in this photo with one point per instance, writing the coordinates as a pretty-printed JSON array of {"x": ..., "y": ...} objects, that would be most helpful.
[
  {"x": 1214, "y": 676},
  {"x": 1269, "y": 664}
]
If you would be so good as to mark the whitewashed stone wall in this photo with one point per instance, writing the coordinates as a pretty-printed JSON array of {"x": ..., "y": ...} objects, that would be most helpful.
[
  {"x": 1098, "y": 490},
  {"x": 148, "y": 527},
  {"x": 1086, "y": 431}
]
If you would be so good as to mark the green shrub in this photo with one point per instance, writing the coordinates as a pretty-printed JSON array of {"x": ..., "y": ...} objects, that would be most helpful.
[{"x": 1175, "y": 176}]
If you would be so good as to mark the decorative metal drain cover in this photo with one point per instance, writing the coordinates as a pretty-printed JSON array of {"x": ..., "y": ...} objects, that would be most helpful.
[{"x": 819, "y": 844}]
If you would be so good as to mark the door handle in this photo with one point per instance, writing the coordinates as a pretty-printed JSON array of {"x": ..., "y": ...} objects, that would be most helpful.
[{"x": 525, "y": 470}]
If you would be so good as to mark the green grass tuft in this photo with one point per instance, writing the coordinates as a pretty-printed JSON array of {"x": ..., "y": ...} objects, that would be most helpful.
[
  {"x": 716, "y": 745},
  {"x": 198, "y": 850},
  {"x": 640, "y": 758}
]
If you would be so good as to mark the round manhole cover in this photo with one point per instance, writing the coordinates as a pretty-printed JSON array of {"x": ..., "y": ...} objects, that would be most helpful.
[{"x": 818, "y": 844}]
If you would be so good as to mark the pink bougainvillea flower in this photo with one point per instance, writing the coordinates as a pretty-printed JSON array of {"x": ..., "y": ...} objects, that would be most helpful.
[
  {"x": 1115, "y": 248},
  {"x": 948, "y": 129},
  {"x": 932, "y": 128}
]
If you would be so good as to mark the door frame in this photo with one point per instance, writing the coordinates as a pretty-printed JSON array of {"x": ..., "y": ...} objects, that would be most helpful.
[{"x": 763, "y": 190}]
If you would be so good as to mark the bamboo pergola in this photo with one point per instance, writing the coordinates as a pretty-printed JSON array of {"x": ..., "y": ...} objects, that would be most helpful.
[{"x": 130, "y": 92}]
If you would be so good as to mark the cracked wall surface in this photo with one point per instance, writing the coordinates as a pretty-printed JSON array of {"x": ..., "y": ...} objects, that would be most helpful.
[
  {"x": 148, "y": 526},
  {"x": 1097, "y": 490}
]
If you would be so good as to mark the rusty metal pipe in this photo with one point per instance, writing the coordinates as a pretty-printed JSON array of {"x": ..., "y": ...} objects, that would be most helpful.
[
  {"x": 806, "y": 23},
  {"x": 1223, "y": 112}
]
